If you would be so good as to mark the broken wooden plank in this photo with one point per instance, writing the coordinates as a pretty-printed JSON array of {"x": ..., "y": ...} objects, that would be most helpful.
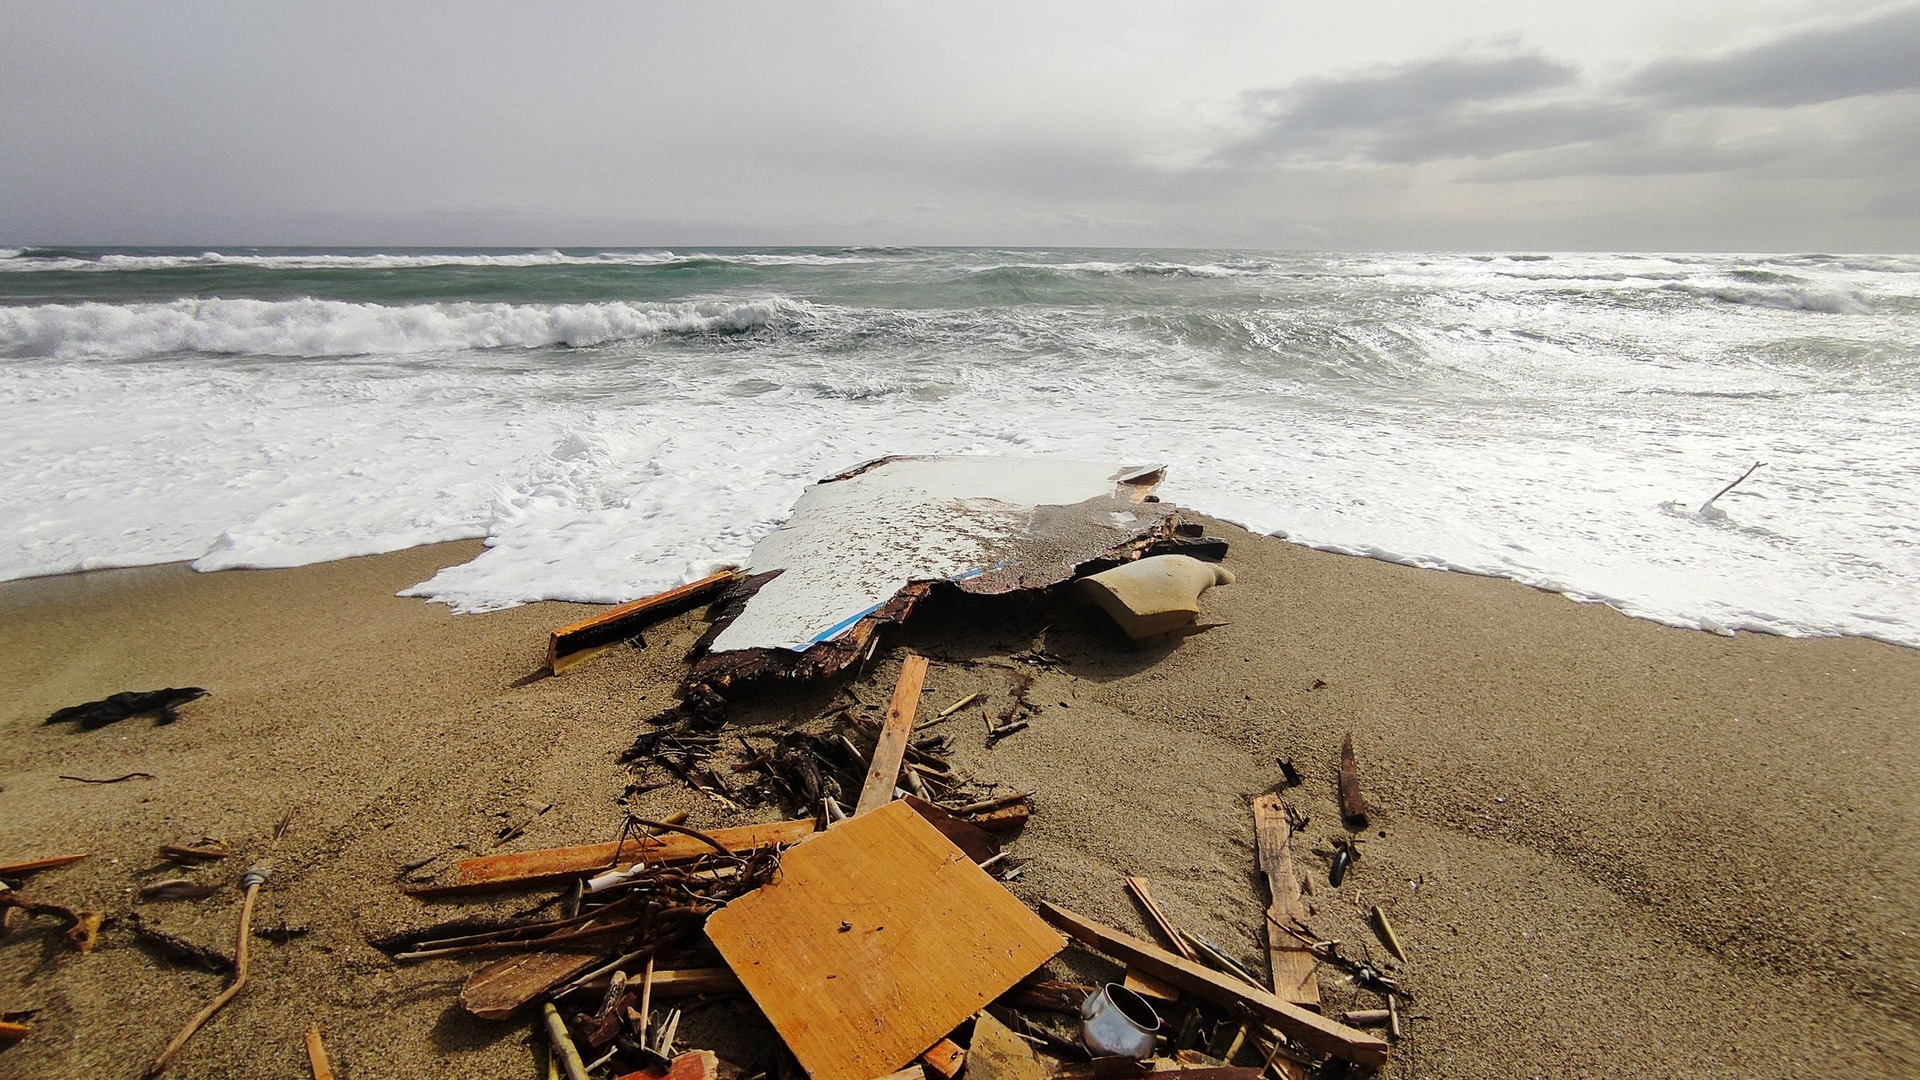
[
  {"x": 528, "y": 869},
  {"x": 945, "y": 1057},
  {"x": 1142, "y": 892},
  {"x": 574, "y": 644},
  {"x": 1006, "y": 817},
  {"x": 894, "y": 733},
  {"x": 1292, "y": 963},
  {"x": 1353, "y": 806},
  {"x": 877, "y": 939},
  {"x": 996, "y": 1053},
  {"x": 1149, "y": 987},
  {"x": 29, "y": 866},
  {"x": 1308, "y": 1028},
  {"x": 504, "y": 987},
  {"x": 978, "y": 843}
]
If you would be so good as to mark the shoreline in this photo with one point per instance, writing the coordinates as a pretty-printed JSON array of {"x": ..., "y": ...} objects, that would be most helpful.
[{"x": 1608, "y": 843}]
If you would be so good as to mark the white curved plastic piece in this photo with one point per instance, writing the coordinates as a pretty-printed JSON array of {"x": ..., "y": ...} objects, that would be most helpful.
[{"x": 1154, "y": 596}]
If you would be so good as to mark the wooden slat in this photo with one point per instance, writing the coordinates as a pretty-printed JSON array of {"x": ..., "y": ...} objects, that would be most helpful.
[
  {"x": 1149, "y": 987},
  {"x": 570, "y": 645},
  {"x": 894, "y": 733},
  {"x": 527, "y": 869},
  {"x": 1292, "y": 963},
  {"x": 1306, "y": 1027},
  {"x": 877, "y": 939},
  {"x": 1144, "y": 893}
]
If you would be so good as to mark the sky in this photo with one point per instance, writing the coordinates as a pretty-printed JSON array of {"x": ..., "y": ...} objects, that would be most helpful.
[{"x": 1677, "y": 125}]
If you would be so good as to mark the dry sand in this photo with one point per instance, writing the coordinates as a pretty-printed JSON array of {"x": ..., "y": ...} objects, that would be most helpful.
[{"x": 1612, "y": 848}]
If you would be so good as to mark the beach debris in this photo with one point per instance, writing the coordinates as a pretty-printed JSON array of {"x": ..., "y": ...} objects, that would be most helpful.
[
  {"x": 997, "y": 732},
  {"x": 934, "y": 940},
  {"x": 1143, "y": 892},
  {"x": 1384, "y": 928},
  {"x": 948, "y": 712},
  {"x": 178, "y": 889},
  {"x": 1116, "y": 1022},
  {"x": 1353, "y": 806},
  {"x": 996, "y": 1053},
  {"x": 1707, "y": 506},
  {"x": 13, "y": 1032},
  {"x": 572, "y": 645},
  {"x": 83, "y": 927},
  {"x": 564, "y": 865},
  {"x": 1302, "y": 1026},
  {"x": 16, "y": 869},
  {"x": 978, "y": 843},
  {"x": 1366, "y": 1017},
  {"x": 1289, "y": 773},
  {"x": 111, "y": 779},
  {"x": 182, "y": 853},
  {"x": 317, "y": 1054},
  {"x": 983, "y": 525},
  {"x": 945, "y": 1058},
  {"x": 178, "y": 948},
  {"x": 1345, "y": 851},
  {"x": 891, "y": 750},
  {"x": 1292, "y": 966},
  {"x": 250, "y": 883},
  {"x": 563, "y": 1049},
  {"x": 1393, "y": 1017},
  {"x": 1154, "y": 596},
  {"x": 117, "y": 707},
  {"x": 515, "y": 830}
]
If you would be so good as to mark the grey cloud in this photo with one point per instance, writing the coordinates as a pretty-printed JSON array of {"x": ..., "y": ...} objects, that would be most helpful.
[
  {"x": 1493, "y": 133},
  {"x": 1880, "y": 55},
  {"x": 1394, "y": 105}
]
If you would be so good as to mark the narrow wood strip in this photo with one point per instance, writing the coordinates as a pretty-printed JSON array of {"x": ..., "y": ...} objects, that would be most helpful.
[
  {"x": 1308, "y": 1028},
  {"x": 31, "y": 865},
  {"x": 1143, "y": 893},
  {"x": 526, "y": 869},
  {"x": 574, "y": 643},
  {"x": 894, "y": 733},
  {"x": 1353, "y": 806}
]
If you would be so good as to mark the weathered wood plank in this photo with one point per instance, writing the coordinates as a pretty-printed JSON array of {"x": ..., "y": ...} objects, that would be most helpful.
[
  {"x": 1353, "y": 806},
  {"x": 894, "y": 733},
  {"x": 1301, "y": 1025},
  {"x": 1292, "y": 963}
]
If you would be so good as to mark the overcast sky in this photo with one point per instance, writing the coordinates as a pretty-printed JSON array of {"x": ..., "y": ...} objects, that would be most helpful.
[{"x": 1754, "y": 125}]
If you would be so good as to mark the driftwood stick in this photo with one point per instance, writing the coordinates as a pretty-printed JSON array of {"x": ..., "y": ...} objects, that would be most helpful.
[
  {"x": 1141, "y": 892},
  {"x": 1353, "y": 806},
  {"x": 1716, "y": 495},
  {"x": 684, "y": 830},
  {"x": 563, "y": 1047},
  {"x": 253, "y": 879},
  {"x": 109, "y": 780},
  {"x": 317, "y": 1054}
]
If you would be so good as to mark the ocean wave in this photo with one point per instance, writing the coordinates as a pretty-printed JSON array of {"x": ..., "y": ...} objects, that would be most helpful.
[
  {"x": 317, "y": 328},
  {"x": 42, "y": 260},
  {"x": 1785, "y": 298}
]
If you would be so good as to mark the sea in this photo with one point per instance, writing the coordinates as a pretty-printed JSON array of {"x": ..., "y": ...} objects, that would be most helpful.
[{"x": 615, "y": 422}]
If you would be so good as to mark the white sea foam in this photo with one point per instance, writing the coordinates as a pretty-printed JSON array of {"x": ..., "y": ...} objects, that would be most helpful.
[{"x": 1500, "y": 425}]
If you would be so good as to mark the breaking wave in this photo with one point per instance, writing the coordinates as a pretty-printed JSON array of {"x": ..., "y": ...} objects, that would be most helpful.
[
  {"x": 317, "y": 328},
  {"x": 1784, "y": 297}
]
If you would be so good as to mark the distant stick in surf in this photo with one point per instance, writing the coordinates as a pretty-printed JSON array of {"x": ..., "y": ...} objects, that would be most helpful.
[{"x": 1705, "y": 506}]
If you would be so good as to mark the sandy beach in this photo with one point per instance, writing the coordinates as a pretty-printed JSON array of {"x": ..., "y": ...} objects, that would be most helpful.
[{"x": 1611, "y": 847}]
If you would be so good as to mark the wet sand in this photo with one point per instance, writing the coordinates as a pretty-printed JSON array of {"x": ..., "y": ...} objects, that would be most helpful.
[{"x": 1611, "y": 848}]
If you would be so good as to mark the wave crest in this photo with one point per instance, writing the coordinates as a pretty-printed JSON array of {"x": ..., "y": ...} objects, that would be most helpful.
[
  {"x": 1784, "y": 297},
  {"x": 318, "y": 328}
]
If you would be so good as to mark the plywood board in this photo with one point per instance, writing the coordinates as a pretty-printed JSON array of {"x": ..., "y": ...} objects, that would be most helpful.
[
  {"x": 1292, "y": 963},
  {"x": 876, "y": 940}
]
